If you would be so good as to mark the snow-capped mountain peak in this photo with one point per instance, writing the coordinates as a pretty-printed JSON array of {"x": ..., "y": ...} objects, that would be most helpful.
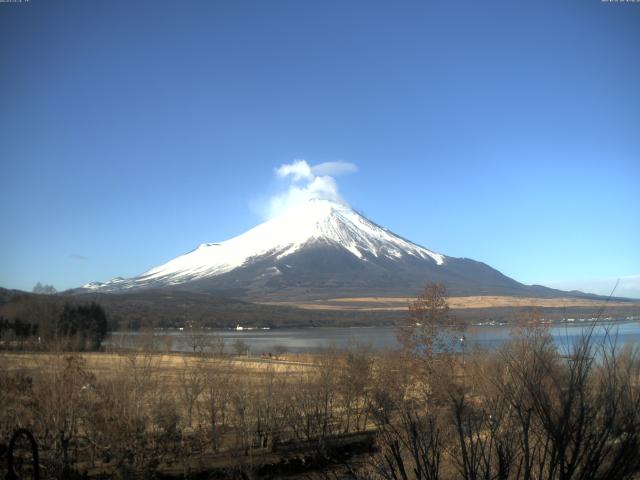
[{"x": 315, "y": 222}]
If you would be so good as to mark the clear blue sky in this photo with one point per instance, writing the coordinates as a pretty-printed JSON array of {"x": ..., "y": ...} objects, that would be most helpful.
[{"x": 504, "y": 131}]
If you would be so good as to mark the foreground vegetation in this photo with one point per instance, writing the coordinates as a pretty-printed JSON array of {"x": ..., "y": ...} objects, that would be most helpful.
[{"x": 429, "y": 411}]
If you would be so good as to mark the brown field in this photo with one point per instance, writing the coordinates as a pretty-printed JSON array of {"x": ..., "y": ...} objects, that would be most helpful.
[
  {"x": 168, "y": 366},
  {"x": 134, "y": 414},
  {"x": 401, "y": 303}
]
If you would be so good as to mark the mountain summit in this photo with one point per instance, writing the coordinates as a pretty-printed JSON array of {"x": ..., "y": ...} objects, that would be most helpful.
[{"x": 319, "y": 249}]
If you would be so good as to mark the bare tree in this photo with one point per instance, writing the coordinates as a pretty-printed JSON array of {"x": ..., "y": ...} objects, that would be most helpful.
[
  {"x": 241, "y": 347},
  {"x": 216, "y": 396},
  {"x": 353, "y": 380},
  {"x": 200, "y": 341},
  {"x": 191, "y": 378},
  {"x": 62, "y": 392},
  {"x": 428, "y": 340},
  {"x": 428, "y": 315},
  {"x": 313, "y": 412}
]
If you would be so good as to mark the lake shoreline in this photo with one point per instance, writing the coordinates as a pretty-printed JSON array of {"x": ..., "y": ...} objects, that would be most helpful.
[{"x": 314, "y": 339}]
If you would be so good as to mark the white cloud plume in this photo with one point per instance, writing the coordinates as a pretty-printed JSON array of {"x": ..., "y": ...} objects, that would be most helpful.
[
  {"x": 307, "y": 182},
  {"x": 298, "y": 170}
]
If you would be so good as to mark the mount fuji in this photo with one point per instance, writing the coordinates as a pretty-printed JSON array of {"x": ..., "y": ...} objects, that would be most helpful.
[{"x": 319, "y": 249}]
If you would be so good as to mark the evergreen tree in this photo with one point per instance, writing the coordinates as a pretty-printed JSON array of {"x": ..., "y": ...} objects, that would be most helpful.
[{"x": 86, "y": 324}]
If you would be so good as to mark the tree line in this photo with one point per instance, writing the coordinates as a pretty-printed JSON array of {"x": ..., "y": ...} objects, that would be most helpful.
[{"x": 74, "y": 327}]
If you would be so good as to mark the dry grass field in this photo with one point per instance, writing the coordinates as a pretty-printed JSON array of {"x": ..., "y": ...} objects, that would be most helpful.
[
  {"x": 107, "y": 364},
  {"x": 126, "y": 412},
  {"x": 401, "y": 303}
]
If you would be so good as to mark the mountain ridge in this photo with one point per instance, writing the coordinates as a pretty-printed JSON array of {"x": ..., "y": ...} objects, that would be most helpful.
[{"x": 320, "y": 249}]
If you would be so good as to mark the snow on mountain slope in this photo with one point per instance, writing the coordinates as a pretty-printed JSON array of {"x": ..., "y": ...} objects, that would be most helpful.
[{"x": 316, "y": 221}]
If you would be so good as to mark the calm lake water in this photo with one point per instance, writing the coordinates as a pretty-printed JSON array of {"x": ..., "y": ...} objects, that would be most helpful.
[{"x": 301, "y": 340}]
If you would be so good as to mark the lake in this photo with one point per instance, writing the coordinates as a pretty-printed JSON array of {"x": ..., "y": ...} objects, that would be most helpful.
[{"x": 301, "y": 340}]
